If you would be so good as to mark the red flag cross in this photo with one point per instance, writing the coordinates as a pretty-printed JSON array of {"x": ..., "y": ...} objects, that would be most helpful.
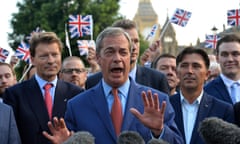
[{"x": 79, "y": 23}]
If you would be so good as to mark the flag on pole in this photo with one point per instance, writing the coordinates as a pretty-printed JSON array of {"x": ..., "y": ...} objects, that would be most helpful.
[
  {"x": 83, "y": 46},
  {"x": 233, "y": 17},
  {"x": 181, "y": 17},
  {"x": 211, "y": 41},
  {"x": 80, "y": 25},
  {"x": 3, "y": 54},
  {"x": 22, "y": 52},
  {"x": 152, "y": 32}
]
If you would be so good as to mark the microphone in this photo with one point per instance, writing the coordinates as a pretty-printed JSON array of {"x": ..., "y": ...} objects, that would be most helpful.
[
  {"x": 130, "y": 137},
  {"x": 157, "y": 141},
  {"x": 81, "y": 137},
  {"x": 214, "y": 130}
]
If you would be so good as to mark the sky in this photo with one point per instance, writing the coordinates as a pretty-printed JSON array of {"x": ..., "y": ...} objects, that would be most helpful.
[{"x": 205, "y": 15}]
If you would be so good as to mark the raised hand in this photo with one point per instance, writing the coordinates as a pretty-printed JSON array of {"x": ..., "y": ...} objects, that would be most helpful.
[
  {"x": 153, "y": 116},
  {"x": 59, "y": 131}
]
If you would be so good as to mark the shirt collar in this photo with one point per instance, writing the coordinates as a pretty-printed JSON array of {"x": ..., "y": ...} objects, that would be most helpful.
[
  {"x": 41, "y": 82},
  {"x": 228, "y": 82},
  {"x": 123, "y": 89},
  {"x": 133, "y": 72},
  {"x": 197, "y": 101}
]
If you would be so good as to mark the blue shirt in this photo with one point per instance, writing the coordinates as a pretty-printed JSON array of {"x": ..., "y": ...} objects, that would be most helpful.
[
  {"x": 122, "y": 93},
  {"x": 41, "y": 83}
]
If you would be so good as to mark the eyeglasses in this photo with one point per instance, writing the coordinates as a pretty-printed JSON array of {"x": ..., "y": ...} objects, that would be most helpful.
[{"x": 70, "y": 71}]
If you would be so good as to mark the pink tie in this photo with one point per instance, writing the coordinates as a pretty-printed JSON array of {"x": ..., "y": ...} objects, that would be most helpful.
[
  {"x": 116, "y": 112},
  {"x": 48, "y": 99}
]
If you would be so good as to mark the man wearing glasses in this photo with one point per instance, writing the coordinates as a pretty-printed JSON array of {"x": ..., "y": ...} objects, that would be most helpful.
[{"x": 73, "y": 71}]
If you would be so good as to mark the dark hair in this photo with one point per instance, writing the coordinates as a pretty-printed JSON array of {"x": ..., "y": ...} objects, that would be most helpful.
[
  {"x": 125, "y": 24},
  {"x": 44, "y": 37},
  {"x": 227, "y": 38},
  {"x": 191, "y": 50},
  {"x": 166, "y": 55}
]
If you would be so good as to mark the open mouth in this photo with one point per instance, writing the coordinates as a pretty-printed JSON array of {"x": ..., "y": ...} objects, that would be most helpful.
[{"x": 117, "y": 70}]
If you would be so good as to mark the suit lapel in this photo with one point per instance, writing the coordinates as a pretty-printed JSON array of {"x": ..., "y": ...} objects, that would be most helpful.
[
  {"x": 60, "y": 100},
  {"x": 221, "y": 87},
  {"x": 176, "y": 103},
  {"x": 36, "y": 102},
  {"x": 203, "y": 112},
  {"x": 100, "y": 103},
  {"x": 134, "y": 100}
]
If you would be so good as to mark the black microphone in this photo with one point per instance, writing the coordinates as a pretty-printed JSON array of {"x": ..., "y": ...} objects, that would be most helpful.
[
  {"x": 214, "y": 130},
  {"x": 157, "y": 141},
  {"x": 81, "y": 137},
  {"x": 130, "y": 137}
]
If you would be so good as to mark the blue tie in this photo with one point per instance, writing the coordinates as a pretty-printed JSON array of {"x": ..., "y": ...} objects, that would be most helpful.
[{"x": 234, "y": 92}]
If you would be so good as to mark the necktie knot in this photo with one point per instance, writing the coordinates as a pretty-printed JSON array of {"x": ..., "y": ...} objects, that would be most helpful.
[{"x": 47, "y": 86}]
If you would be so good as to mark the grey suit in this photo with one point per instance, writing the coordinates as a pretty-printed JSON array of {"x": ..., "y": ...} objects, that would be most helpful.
[{"x": 8, "y": 128}]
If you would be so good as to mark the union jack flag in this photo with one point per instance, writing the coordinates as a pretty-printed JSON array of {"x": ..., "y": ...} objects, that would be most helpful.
[
  {"x": 80, "y": 25},
  {"x": 233, "y": 17},
  {"x": 181, "y": 17},
  {"x": 211, "y": 41},
  {"x": 3, "y": 54},
  {"x": 23, "y": 53},
  {"x": 153, "y": 31},
  {"x": 83, "y": 46}
]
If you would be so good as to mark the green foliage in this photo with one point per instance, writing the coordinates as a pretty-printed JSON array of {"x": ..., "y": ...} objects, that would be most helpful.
[{"x": 53, "y": 15}]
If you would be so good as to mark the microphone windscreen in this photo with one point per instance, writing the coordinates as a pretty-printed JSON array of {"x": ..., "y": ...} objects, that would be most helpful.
[
  {"x": 214, "y": 130},
  {"x": 130, "y": 137},
  {"x": 81, "y": 137},
  {"x": 157, "y": 141}
]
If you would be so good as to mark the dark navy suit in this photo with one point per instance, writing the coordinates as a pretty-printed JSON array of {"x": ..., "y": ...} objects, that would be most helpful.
[
  {"x": 209, "y": 107},
  {"x": 30, "y": 111}
]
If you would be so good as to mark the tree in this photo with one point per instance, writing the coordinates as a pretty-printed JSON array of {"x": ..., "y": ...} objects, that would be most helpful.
[{"x": 52, "y": 16}]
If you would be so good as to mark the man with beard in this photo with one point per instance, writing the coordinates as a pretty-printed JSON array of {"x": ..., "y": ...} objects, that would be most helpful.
[{"x": 73, "y": 71}]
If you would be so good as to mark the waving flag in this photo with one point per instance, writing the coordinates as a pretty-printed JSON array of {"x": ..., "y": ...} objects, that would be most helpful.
[
  {"x": 23, "y": 53},
  {"x": 211, "y": 41},
  {"x": 3, "y": 54},
  {"x": 181, "y": 17},
  {"x": 80, "y": 25},
  {"x": 233, "y": 17},
  {"x": 152, "y": 32},
  {"x": 83, "y": 46}
]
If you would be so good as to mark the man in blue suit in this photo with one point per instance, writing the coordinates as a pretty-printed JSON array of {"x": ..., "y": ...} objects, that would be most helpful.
[
  {"x": 142, "y": 75},
  {"x": 228, "y": 56},
  {"x": 8, "y": 128},
  {"x": 152, "y": 116},
  {"x": 27, "y": 98},
  {"x": 192, "y": 104}
]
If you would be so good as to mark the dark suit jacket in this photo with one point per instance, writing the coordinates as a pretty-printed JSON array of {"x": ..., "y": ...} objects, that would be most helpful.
[
  {"x": 218, "y": 89},
  {"x": 8, "y": 128},
  {"x": 88, "y": 111},
  {"x": 209, "y": 107},
  {"x": 30, "y": 111},
  {"x": 237, "y": 113},
  {"x": 144, "y": 76}
]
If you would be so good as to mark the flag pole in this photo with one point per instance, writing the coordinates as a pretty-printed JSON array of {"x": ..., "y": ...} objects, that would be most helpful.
[
  {"x": 28, "y": 69},
  {"x": 67, "y": 41}
]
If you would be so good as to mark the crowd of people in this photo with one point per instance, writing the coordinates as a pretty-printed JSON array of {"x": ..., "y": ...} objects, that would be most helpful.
[{"x": 164, "y": 102}]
